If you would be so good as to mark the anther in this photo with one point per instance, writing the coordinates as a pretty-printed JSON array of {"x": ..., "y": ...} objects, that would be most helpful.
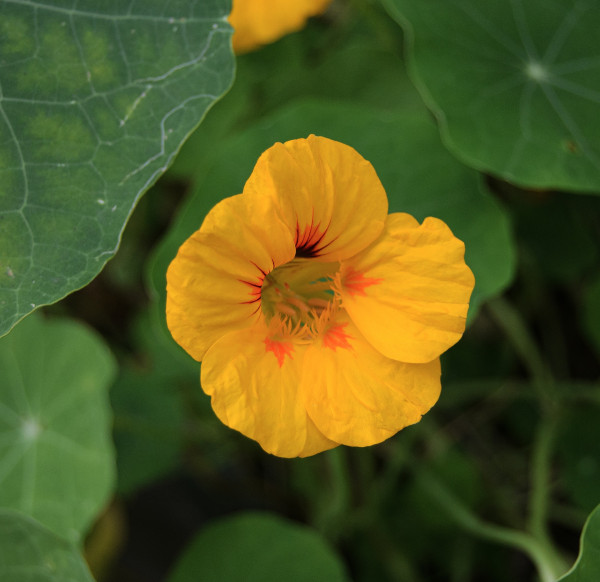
[
  {"x": 299, "y": 303},
  {"x": 316, "y": 302},
  {"x": 286, "y": 309}
]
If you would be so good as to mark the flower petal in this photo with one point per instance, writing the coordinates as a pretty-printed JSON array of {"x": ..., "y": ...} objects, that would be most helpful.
[
  {"x": 214, "y": 282},
  {"x": 358, "y": 397},
  {"x": 254, "y": 389},
  {"x": 328, "y": 195},
  {"x": 408, "y": 293},
  {"x": 258, "y": 22}
]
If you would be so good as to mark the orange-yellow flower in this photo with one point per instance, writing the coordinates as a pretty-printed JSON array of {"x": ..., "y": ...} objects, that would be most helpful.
[
  {"x": 260, "y": 22},
  {"x": 318, "y": 317}
]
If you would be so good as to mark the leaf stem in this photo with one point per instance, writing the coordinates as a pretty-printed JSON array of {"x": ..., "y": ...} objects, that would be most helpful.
[
  {"x": 542, "y": 557},
  {"x": 511, "y": 322},
  {"x": 540, "y": 468}
]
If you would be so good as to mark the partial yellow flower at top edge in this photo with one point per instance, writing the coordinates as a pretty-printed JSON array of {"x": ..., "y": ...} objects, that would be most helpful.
[
  {"x": 319, "y": 318},
  {"x": 260, "y": 22}
]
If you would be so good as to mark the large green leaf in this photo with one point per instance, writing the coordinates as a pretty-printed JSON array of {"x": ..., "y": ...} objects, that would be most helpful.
[
  {"x": 515, "y": 84},
  {"x": 419, "y": 175},
  {"x": 31, "y": 553},
  {"x": 56, "y": 455},
  {"x": 331, "y": 63},
  {"x": 255, "y": 547},
  {"x": 96, "y": 98},
  {"x": 587, "y": 567}
]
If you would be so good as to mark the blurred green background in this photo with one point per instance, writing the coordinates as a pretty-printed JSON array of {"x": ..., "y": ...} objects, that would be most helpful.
[{"x": 484, "y": 117}]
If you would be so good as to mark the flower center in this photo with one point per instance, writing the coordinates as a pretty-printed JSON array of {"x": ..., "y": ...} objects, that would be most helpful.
[{"x": 300, "y": 293}]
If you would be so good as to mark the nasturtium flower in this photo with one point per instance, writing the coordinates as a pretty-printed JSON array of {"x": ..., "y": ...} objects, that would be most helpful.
[
  {"x": 260, "y": 22},
  {"x": 318, "y": 318}
]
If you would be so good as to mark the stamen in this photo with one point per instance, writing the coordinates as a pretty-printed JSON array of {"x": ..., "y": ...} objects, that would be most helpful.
[
  {"x": 299, "y": 303},
  {"x": 316, "y": 302},
  {"x": 300, "y": 293},
  {"x": 319, "y": 286},
  {"x": 285, "y": 309},
  {"x": 327, "y": 314}
]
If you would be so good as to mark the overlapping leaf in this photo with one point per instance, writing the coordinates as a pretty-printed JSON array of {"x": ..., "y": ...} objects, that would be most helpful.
[
  {"x": 56, "y": 456},
  {"x": 587, "y": 567},
  {"x": 515, "y": 84},
  {"x": 31, "y": 553},
  {"x": 96, "y": 97},
  {"x": 255, "y": 547}
]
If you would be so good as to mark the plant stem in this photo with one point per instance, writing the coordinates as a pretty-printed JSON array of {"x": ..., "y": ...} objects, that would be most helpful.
[
  {"x": 542, "y": 556},
  {"x": 540, "y": 469},
  {"x": 516, "y": 330},
  {"x": 512, "y": 324}
]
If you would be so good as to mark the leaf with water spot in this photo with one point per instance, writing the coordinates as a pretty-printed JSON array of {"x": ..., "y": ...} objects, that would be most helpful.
[
  {"x": 29, "y": 552},
  {"x": 56, "y": 454},
  {"x": 96, "y": 98},
  {"x": 514, "y": 85}
]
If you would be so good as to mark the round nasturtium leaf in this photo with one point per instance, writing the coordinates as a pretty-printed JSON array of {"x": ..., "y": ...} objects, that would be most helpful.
[
  {"x": 29, "y": 552},
  {"x": 587, "y": 567},
  {"x": 56, "y": 453},
  {"x": 96, "y": 97},
  {"x": 514, "y": 84},
  {"x": 417, "y": 172},
  {"x": 255, "y": 547}
]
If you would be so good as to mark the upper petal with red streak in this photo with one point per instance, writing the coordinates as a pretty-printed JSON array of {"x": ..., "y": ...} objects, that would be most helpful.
[{"x": 326, "y": 193}]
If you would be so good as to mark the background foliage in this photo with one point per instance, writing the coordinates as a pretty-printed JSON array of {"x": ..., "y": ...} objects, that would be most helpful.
[{"x": 108, "y": 447}]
